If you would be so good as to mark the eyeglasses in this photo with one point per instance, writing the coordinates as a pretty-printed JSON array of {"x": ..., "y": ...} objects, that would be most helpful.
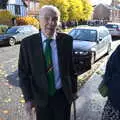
[{"x": 47, "y": 18}]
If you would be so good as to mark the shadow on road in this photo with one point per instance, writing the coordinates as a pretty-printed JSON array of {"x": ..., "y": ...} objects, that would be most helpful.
[
  {"x": 6, "y": 45},
  {"x": 13, "y": 79}
]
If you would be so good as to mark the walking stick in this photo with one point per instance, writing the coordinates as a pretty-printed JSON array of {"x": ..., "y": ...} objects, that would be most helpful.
[{"x": 74, "y": 109}]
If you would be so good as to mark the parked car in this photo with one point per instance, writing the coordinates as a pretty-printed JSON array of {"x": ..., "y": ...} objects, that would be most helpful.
[
  {"x": 89, "y": 44},
  {"x": 114, "y": 28},
  {"x": 16, "y": 34}
]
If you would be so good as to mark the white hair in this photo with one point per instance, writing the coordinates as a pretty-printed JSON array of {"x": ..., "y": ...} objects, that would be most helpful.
[{"x": 50, "y": 7}]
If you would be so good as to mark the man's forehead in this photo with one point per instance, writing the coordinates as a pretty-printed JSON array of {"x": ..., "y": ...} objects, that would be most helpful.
[{"x": 49, "y": 12}]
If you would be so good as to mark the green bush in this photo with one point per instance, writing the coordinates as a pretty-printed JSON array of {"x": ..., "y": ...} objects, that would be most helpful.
[
  {"x": 6, "y": 17},
  {"x": 3, "y": 28},
  {"x": 27, "y": 20}
]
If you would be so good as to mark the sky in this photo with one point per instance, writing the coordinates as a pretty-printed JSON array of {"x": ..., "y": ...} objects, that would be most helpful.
[{"x": 94, "y": 2}]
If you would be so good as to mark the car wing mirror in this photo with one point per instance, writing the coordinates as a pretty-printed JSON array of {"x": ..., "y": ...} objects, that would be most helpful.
[
  {"x": 100, "y": 39},
  {"x": 17, "y": 31}
]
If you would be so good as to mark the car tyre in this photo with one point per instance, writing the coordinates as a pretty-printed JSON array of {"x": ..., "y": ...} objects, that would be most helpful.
[{"x": 12, "y": 41}]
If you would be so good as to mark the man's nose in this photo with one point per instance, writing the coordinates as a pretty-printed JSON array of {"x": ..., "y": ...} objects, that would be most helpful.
[{"x": 51, "y": 21}]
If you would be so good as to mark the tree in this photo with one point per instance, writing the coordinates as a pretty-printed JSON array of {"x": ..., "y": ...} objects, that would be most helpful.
[
  {"x": 6, "y": 17},
  {"x": 71, "y": 9},
  {"x": 75, "y": 9},
  {"x": 62, "y": 5},
  {"x": 87, "y": 9}
]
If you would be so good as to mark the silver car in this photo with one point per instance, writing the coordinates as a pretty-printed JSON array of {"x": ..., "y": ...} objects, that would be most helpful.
[
  {"x": 89, "y": 44},
  {"x": 114, "y": 29},
  {"x": 17, "y": 33}
]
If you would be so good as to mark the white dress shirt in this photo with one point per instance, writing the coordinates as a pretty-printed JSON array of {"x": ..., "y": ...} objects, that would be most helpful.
[{"x": 56, "y": 70}]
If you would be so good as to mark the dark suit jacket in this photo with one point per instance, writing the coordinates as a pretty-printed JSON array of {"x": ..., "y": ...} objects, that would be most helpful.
[
  {"x": 112, "y": 78},
  {"x": 31, "y": 68}
]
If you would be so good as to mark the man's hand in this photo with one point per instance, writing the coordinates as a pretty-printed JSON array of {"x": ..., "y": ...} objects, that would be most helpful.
[
  {"x": 28, "y": 106},
  {"x": 29, "y": 109}
]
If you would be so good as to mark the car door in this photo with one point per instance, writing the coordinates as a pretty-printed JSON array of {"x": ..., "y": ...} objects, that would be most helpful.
[
  {"x": 22, "y": 33},
  {"x": 101, "y": 44},
  {"x": 19, "y": 34},
  {"x": 33, "y": 30},
  {"x": 27, "y": 31}
]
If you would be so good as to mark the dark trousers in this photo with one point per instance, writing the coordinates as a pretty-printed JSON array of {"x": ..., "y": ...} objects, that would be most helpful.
[{"x": 58, "y": 108}]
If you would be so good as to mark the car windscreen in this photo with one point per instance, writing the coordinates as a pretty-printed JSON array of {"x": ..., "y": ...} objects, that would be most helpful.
[
  {"x": 84, "y": 34},
  {"x": 111, "y": 26},
  {"x": 12, "y": 30}
]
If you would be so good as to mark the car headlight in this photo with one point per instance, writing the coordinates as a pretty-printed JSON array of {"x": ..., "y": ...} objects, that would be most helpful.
[
  {"x": 76, "y": 52},
  {"x": 83, "y": 52}
]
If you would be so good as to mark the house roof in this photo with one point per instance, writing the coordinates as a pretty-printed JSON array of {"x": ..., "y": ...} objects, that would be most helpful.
[
  {"x": 105, "y": 5},
  {"x": 24, "y": 3},
  {"x": 109, "y": 6},
  {"x": 4, "y": 2}
]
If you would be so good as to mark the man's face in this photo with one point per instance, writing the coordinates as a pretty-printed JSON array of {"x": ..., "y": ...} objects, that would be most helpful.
[{"x": 48, "y": 22}]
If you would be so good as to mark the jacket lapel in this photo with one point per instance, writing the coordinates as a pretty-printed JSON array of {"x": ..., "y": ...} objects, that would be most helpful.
[
  {"x": 60, "y": 52},
  {"x": 38, "y": 54}
]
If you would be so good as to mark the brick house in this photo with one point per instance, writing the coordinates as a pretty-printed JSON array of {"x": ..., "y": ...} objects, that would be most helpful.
[
  {"x": 16, "y": 7},
  {"x": 107, "y": 12},
  {"x": 33, "y": 7}
]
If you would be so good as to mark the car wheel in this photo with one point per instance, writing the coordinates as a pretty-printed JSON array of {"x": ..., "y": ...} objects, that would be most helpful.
[{"x": 12, "y": 41}]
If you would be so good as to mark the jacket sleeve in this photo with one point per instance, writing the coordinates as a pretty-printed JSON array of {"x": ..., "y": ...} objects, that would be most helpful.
[
  {"x": 24, "y": 72},
  {"x": 73, "y": 74},
  {"x": 113, "y": 72},
  {"x": 74, "y": 81}
]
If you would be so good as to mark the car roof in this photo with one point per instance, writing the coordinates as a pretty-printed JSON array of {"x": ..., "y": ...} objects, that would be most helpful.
[
  {"x": 89, "y": 27},
  {"x": 113, "y": 23},
  {"x": 22, "y": 26}
]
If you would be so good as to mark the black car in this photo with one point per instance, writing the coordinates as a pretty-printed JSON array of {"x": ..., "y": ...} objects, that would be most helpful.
[
  {"x": 89, "y": 44},
  {"x": 16, "y": 34}
]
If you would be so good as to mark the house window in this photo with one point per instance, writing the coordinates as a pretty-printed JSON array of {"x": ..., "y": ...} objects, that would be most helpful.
[{"x": 17, "y": 9}]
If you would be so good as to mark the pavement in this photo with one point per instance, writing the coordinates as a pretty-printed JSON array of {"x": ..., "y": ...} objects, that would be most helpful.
[{"x": 90, "y": 103}]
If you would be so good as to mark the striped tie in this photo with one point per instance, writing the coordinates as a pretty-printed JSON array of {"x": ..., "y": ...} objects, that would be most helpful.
[{"x": 49, "y": 66}]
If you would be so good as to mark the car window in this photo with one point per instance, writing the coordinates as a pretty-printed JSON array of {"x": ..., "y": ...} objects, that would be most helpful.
[
  {"x": 84, "y": 34},
  {"x": 30, "y": 28},
  {"x": 111, "y": 26},
  {"x": 21, "y": 29},
  {"x": 106, "y": 32},
  {"x": 12, "y": 30},
  {"x": 33, "y": 28},
  {"x": 103, "y": 33},
  {"x": 26, "y": 29}
]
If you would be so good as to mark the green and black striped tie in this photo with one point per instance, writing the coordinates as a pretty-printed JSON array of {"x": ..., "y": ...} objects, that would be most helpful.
[{"x": 49, "y": 66}]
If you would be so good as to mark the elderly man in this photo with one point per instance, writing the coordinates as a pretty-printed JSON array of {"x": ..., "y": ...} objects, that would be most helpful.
[{"x": 45, "y": 69}]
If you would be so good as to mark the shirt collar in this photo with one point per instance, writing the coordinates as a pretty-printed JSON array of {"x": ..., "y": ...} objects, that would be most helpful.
[{"x": 44, "y": 37}]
